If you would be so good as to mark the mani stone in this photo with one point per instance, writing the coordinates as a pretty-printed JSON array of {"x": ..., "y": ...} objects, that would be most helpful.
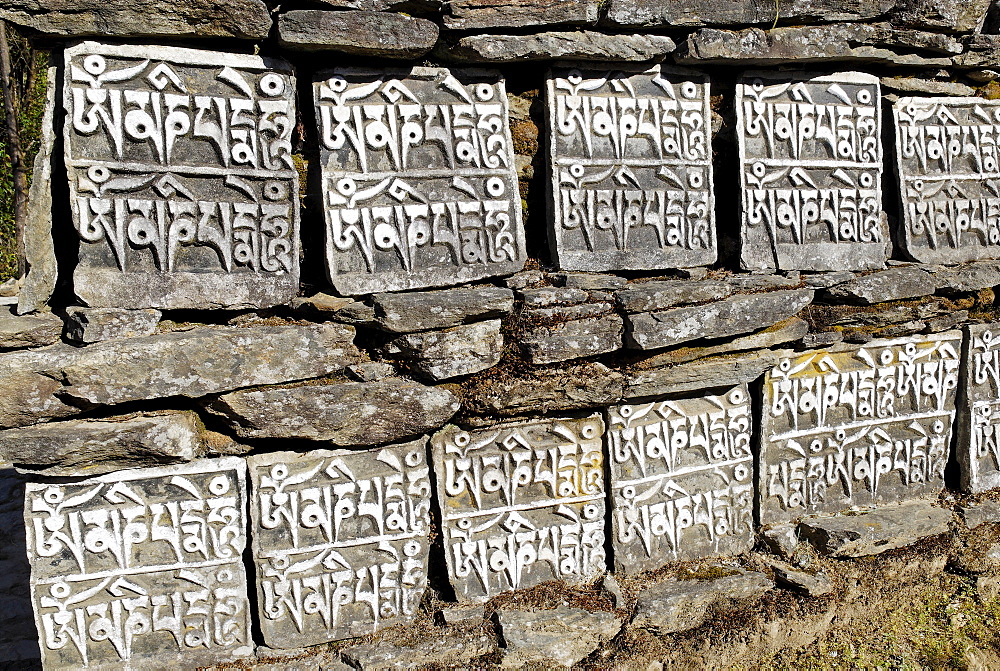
[
  {"x": 810, "y": 153},
  {"x": 630, "y": 164},
  {"x": 87, "y": 325},
  {"x": 340, "y": 541},
  {"x": 572, "y": 339},
  {"x": 739, "y": 314},
  {"x": 522, "y": 503},
  {"x": 978, "y": 423},
  {"x": 892, "y": 284},
  {"x": 342, "y": 413},
  {"x": 561, "y": 637},
  {"x": 428, "y": 310},
  {"x": 141, "y": 568},
  {"x": 579, "y": 45},
  {"x": 30, "y": 330},
  {"x": 461, "y": 350},
  {"x": 681, "y": 480},
  {"x": 181, "y": 180},
  {"x": 853, "y": 426},
  {"x": 361, "y": 33},
  {"x": 480, "y": 14},
  {"x": 418, "y": 178},
  {"x": 875, "y": 531},
  {"x": 949, "y": 178}
]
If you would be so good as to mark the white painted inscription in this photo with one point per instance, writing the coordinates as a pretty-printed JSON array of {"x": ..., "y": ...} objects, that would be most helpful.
[{"x": 978, "y": 445}]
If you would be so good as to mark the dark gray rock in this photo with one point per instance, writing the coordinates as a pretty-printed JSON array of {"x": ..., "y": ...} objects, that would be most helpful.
[
  {"x": 729, "y": 12},
  {"x": 813, "y": 584},
  {"x": 30, "y": 380},
  {"x": 825, "y": 339},
  {"x": 876, "y": 531},
  {"x": 524, "y": 279},
  {"x": 967, "y": 277},
  {"x": 781, "y": 538},
  {"x": 710, "y": 372},
  {"x": 824, "y": 280},
  {"x": 981, "y": 51},
  {"x": 649, "y": 296},
  {"x": 88, "y": 325},
  {"x": 545, "y": 296},
  {"x": 572, "y": 339},
  {"x": 762, "y": 281},
  {"x": 588, "y": 281},
  {"x": 560, "y": 637},
  {"x": 982, "y": 512},
  {"x": 587, "y": 385},
  {"x": 428, "y": 310},
  {"x": 946, "y": 322},
  {"x": 941, "y": 15},
  {"x": 561, "y": 313},
  {"x": 361, "y": 33},
  {"x": 728, "y": 317},
  {"x": 370, "y": 371},
  {"x": 447, "y": 649},
  {"x": 462, "y": 350},
  {"x": 30, "y": 330},
  {"x": 341, "y": 413},
  {"x": 578, "y": 45},
  {"x": 679, "y": 605},
  {"x": 885, "y": 285},
  {"x": 785, "y": 331},
  {"x": 480, "y": 14}
]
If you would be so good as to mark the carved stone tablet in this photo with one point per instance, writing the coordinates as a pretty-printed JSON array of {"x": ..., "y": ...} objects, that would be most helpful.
[
  {"x": 978, "y": 444},
  {"x": 630, "y": 163},
  {"x": 181, "y": 179},
  {"x": 141, "y": 568},
  {"x": 681, "y": 479},
  {"x": 949, "y": 177},
  {"x": 340, "y": 541},
  {"x": 810, "y": 152},
  {"x": 857, "y": 426},
  {"x": 419, "y": 186},
  {"x": 521, "y": 503}
]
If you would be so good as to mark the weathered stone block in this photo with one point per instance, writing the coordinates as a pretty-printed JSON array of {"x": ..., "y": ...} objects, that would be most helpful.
[
  {"x": 810, "y": 154},
  {"x": 561, "y": 637},
  {"x": 429, "y": 310},
  {"x": 340, "y": 541},
  {"x": 183, "y": 190},
  {"x": 87, "y": 325},
  {"x": 546, "y": 296},
  {"x": 418, "y": 178},
  {"x": 586, "y": 385},
  {"x": 573, "y": 339},
  {"x": 448, "y": 648},
  {"x": 141, "y": 568},
  {"x": 514, "y": 514},
  {"x": 582, "y": 45},
  {"x": 678, "y": 605},
  {"x": 707, "y": 373},
  {"x": 624, "y": 195},
  {"x": 785, "y": 331},
  {"x": 461, "y": 350},
  {"x": 32, "y": 330},
  {"x": 649, "y": 296},
  {"x": 480, "y": 14},
  {"x": 723, "y": 12},
  {"x": 967, "y": 278},
  {"x": 983, "y": 512},
  {"x": 857, "y": 426},
  {"x": 875, "y": 531},
  {"x": 892, "y": 284},
  {"x": 978, "y": 422},
  {"x": 361, "y": 33}
]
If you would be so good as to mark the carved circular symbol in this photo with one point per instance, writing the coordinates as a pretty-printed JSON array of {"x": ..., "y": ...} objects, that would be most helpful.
[
  {"x": 337, "y": 84},
  {"x": 272, "y": 85},
  {"x": 53, "y": 495},
  {"x": 347, "y": 186},
  {"x": 757, "y": 85},
  {"x": 98, "y": 173},
  {"x": 495, "y": 187},
  {"x": 696, "y": 178},
  {"x": 60, "y": 590},
  {"x": 414, "y": 458},
  {"x": 574, "y": 77},
  {"x": 484, "y": 91},
  {"x": 759, "y": 169},
  {"x": 279, "y": 472},
  {"x": 462, "y": 439},
  {"x": 95, "y": 64},
  {"x": 219, "y": 485},
  {"x": 689, "y": 90},
  {"x": 577, "y": 170},
  {"x": 937, "y": 426},
  {"x": 886, "y": 356},
  {"x": 865, "y": 97},
  {"x": 385, "y": 236},
  {"x": 628, "y": 492},
  {"x": 464, "y": 523},
  {"x": 866, "y": 180},
  {"x": 276, "y": 190},
  {"x": 736, "y": 396},
  {"x": 741, "y": 472},
  {"x": 224, "y": 575},
  {"x": 411, "y": 548}
]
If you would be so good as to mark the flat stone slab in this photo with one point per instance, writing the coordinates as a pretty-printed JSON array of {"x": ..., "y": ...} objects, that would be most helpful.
[
  {"x": 876, "y": 531},
  {"x": 892, "y": 284},
  {"x": 32, "y": 330},
  {"x": 560, "y": 637},
  {"x": 573, "y": 339},
  {"x": 429, "y": 310},
  {"x": 183, "y": 190},
  {"x": 650, "y": 296},
  {"x": 481, "y": 14},
  {"x": 978, "y": 422},
  {"x": 357, "y": 32},
  {"x": 857, "y": 426},
  {"x": 521, "y": 503},
  {"x": 340, "y": 541},
  {"x": 968, "y": 277},
  {"x": 722, "y": 12},
  {"x": 570, "y": 387},
  {"x": 786, "y": 331},
  {"x": 460, "y": 350},
  {"x": 576, "y": 45},
  {"x": 141, "y": 568},
  {"x": 709, "y": 372},
  {"x": 446, "y": 648},
  {"x": 681, "y": 480},
  {"x": 419, "y": 186},
  {"x": 88, "y": 325},
  {"x": 975, "y": 514},
  {"x": 678, "y": 605},
  {"x": 810, "y": 153},
  {"x": 630, "y": 164}
]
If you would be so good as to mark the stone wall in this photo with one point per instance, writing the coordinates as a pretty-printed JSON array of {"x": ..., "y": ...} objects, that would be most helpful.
[{"x": 367, "y": 332}]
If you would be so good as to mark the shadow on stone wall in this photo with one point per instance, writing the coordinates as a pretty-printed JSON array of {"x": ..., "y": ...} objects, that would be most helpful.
[{"x": 18, "y": 637}]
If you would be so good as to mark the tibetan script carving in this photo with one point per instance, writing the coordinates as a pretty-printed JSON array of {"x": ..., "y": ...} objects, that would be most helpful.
[
  {"x": 142, "y": 568},
  {"x": 978, "y": 423},
  {"x": 630, "y": 159},
  {"x": 521, "y": 503},
  {"x": 182, "y": 185},
  {"x": 949, "y": 177},
  {"x": 340, "y": 540},
  {"x": 810, "y": 154},
  {"x": 857, "y": 426},
  {"x": 681, "y": 479},
  {"x": 419, "y": 185}
]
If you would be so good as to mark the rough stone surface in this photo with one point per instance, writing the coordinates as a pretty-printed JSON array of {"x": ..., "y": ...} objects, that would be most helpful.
[
  {"x": 370, "y": 371},
  {"x": 533, "y": 520},
  {"x": 572, "y": 339},
  {"x": 588, "y": 281},
  {"x": 707, "y": 373},
  {"x": 928, "y": 86},
  {"x": 679, "y": 605},
  {"x": 462, "y": 350},
  {"x": 692, "y": 501},
  {"x": 876, "y": 531},
  {"x": 785, "y": 331},
  {"x": 361, "y": 33},
  {"x": 728, "y": 317},
  {"x": 342, "y": 413},
  {"x": 95, "y": 447},
  {"x": 463, "y": 613},
  {"x": 723, "y": 12},
  {"x": 781, "y": 538},
  {"x": 587, "y": 385},
  {"x": 447, "y": 649},
  {"x": 30, "y": 330},
  {"x": 428, "y": 310},
  {"x": 981, "y": 51},
  {"x": 983, "y": 512},
  {"x": 579, "y": 45},
  {"x": 546, "y": 296},
  {"x": 648, "y": 296},
  {"x": 31, "y": 380},
  {"x": 978, "y": 444},
  {"x": 480, "y": 14},
  {"x": 561, "y": 313},
  {"x": 892, "y": 284},
  {"x": 617, "y": 200},
  {"x": 87, "y": 325},
  {"x": 246, "y": 19},
  {"x": 967, "y": 277},
  {"x": 813, "y": 584},
  {"x": 828, "y": 279},
  {"x": 763, "y": 281},
  {"x": 560, "y": 637},
  {"x": 942, "y": 15},
  {"x": 192, "y": 216},
  {"x": 303, "y": 551},
  {"x": 185, "y": 576}
]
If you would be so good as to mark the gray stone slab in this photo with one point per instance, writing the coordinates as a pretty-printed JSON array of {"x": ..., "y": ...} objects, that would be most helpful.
[
  {"x": 357, "y": 32},
  {"x": 340, "y": 541},
  {"x": 983, "y": 512},
  {"x": 522, "y": 503},
  {"x": 429, "y": 310},
  {"x": 586, "y": 385},
  {"x": 977, "y": 449},
  {"x": 460, "y": 350},
  {"x": 927, "y": 86},
  {"x": 630, "y": 165},
  {"x": 88, "y": 325},
  {"x": 967, "y": 278},
  {"x": 785, "y": 331},
  {"x": 648, "y": 296},
  {"x": 30, "y": 330},
  {"x": 572, "y": 339},
  {"x": 141, "y": 568},
  {"x": 448, "y": 648},
  {"x": 419, "y": 187},
  {"x": 582, "y": 45},
  {"x": 681, "y": 479},
  {"x": 948, "y": 172},
  {"x": 810, "y": 153},
  {"x": 182, "y": 186},
  {"x": 561, "y": 637},
  {"x": 678, "y": 605},
  {"x": 875, "y": 531},
  {"x": 892, "y": 284},
  {"x": 729, "y": 12},
  {"x": 545, "y": 296},
  {"x": 480, "y": 14},
  {"x": 707, "y": 373},
  {"x": 853, "y": 425}
]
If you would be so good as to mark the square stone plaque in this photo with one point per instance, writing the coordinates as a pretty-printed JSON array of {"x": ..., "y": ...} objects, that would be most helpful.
[
  {"x": 141, "y": 569},
  {"x": 630, "y": 164},
  {"x": 521, "y": 503},
  {"x": 857, "y": 426},
  {"x": 181, "y": 180},
  {"x": 340, "y": 541},
  {"x": 681, "y": 479},
  {"x": 810, "y": 156},
  {"x": 419, "y": 186},
  {"x": 978, "y": 444},
  {"x": 949, "y": 177}
]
